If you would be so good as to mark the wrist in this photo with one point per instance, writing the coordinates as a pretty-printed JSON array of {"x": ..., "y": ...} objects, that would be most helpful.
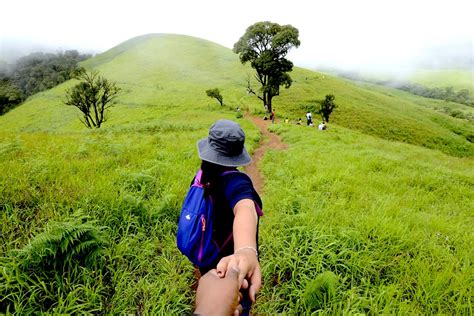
[{"x": 247, "y": 249}]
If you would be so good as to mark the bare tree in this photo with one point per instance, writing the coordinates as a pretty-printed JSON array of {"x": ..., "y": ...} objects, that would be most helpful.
[{"x": 92, "y": 96}]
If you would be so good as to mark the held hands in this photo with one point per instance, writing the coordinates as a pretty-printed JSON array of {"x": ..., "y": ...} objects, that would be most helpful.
[
  {"x": 246, "y": 262},
  {"x": 218, "y": 296}
]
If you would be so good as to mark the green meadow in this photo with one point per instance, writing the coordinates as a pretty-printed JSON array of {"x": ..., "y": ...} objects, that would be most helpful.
[{"x": 373, "y": 216}]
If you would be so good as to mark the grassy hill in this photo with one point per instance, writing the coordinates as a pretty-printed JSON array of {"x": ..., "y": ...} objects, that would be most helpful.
[
  {"x": 456, "y": 78},
  {"x": 390, "y": 219},
  {"x": 166, "y": 70}
]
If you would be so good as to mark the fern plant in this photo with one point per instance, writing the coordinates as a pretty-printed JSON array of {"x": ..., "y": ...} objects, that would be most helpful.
[
  {"x": 52, "y": 266},
  {"x": 63, "y": 246}
]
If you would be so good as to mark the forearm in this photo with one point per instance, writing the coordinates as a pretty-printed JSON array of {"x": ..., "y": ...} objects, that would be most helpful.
[
  {"x": 245, "y": 256},
  {"x": 245, "y": 224}
]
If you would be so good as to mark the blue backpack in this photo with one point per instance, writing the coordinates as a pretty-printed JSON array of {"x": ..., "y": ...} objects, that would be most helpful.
[{"x": 194, "y": 237}]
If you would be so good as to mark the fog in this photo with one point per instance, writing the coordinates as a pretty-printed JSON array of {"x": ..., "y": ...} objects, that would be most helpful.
[{"x": 377, "y": 36}]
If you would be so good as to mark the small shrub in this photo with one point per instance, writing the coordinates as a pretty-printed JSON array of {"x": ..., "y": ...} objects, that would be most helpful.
[{"x": 457, "y": 114}]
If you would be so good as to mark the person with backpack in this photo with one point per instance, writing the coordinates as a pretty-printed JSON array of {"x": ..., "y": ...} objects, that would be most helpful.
[
  {"x": 309, "y": 118},
  {"x": 218, "y": 226}
]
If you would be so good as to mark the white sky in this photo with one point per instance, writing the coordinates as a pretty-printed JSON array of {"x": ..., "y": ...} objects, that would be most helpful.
[{"x": 343, "y": 33}]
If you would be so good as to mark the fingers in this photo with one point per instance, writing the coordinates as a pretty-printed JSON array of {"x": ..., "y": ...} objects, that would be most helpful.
[
  {"x": 255, "y": 283},
  {"x": 238, "y": 310},
  {"x": 230, "y": 262},
  {"x": 242, "y": 276},
  {"x": 245, "y": 284},
  {"x": 222, "y": 266},
  {"x": 233, "y": 272}
]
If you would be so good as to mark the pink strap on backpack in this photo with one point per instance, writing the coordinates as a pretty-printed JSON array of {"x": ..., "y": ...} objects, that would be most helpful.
[{"x": 197, "y": 179}]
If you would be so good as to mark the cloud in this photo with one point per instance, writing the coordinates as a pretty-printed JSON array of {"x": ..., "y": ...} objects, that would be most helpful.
[{"x": 364, "y": 33}]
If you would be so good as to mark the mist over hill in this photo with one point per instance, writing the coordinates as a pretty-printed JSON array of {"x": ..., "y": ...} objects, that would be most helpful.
[
  {"x": 13, "y": 49},
  {"x": 455, "y": 55}
]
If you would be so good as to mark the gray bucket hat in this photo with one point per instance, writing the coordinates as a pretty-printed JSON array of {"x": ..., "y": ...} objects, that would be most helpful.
[{"x": 225, "y": 145}]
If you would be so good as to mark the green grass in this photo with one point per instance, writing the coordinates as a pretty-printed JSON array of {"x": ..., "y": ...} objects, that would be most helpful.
[
  {"x": 394, "y": 228},
  {"x": 381, "y": 112},
  {"x": 373, "y": 216},
  {"x": 440, "y": 106}
]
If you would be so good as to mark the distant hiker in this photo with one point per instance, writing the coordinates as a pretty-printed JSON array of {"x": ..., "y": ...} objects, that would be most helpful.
[
  {"x": 272, "y": 116},
  {"x": 299, "y": 121},
  {"x": 287, "y": 120},
  {"x": 322, "y": 126},
  {"x": 236, "y": 208},
  {"x": 216, "y": 295},
  {"x": 309, "y": 118}
]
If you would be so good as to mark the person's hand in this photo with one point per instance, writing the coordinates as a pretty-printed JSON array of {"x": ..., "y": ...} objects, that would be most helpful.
[
  {"x": 250, "y": 275},
  {"x": 218, "y": 296}
]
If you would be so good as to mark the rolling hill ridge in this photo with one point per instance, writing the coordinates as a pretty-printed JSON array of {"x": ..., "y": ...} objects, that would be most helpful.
[{"x": 173, "y": 71}]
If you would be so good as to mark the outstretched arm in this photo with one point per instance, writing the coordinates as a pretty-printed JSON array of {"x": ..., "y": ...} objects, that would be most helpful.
[{"x": 245, "y": 248}]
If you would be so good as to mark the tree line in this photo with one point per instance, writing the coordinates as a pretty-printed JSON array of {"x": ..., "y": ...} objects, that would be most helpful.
[
  {"x": 34, "y": 73},
  {"x": 447, "y": 93}
]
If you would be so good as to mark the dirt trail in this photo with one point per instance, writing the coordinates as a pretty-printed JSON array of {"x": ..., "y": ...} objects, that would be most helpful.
[{"x": 269, "y": 141}]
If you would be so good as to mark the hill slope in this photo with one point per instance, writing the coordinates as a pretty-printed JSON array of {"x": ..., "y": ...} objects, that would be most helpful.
[{"x": 174, "y": 71}]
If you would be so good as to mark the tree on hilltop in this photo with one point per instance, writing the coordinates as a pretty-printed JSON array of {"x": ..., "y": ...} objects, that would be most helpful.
[
  {"x": 216, "y": 94},
  {"x": 92, "y": 96},
  {"x": 265, "y": 45}
]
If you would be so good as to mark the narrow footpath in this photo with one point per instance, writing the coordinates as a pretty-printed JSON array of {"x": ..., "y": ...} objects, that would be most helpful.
[{"x": 268, "y": 141}]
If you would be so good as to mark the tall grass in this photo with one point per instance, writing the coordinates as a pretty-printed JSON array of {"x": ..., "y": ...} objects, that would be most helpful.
[{"x": 393, "y": 228}]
